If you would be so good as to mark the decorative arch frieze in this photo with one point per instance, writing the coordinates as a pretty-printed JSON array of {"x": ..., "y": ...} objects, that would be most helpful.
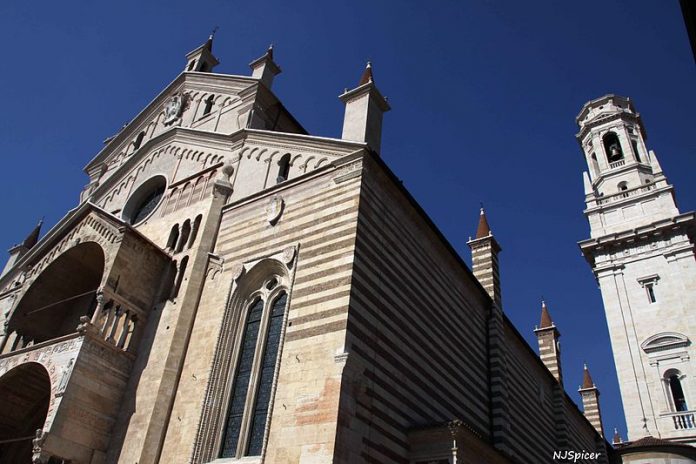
[
  {"x": 148, "y": 166},
  {"x": 90, "y": 229}
]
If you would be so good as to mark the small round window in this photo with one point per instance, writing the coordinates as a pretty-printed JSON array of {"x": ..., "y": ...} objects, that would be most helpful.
[{"x": 145, "y": 200}]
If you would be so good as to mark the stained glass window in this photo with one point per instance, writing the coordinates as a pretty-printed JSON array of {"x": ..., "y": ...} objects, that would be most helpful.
[
  {"x": 241, "y": 381},
  {"x": 265, "y": 384}
]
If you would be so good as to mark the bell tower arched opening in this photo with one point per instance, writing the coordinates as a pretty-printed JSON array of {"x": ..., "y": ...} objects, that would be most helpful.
[
  {"x": 61, "y": 294},
  {"x": 25, "y": 392},
  {"x": 612, "y": 147}
]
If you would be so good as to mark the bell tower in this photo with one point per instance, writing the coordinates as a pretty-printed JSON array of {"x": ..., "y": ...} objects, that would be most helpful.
[{"x": 641, "y": 251}]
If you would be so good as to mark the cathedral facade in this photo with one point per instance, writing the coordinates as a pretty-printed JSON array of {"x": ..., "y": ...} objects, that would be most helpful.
[{"x": 232, "y": 289}]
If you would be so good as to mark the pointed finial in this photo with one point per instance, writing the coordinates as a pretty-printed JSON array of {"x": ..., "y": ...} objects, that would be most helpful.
[
  {"x": 212, "y": 33},
  {"x": 617, "y": 438},
  {"x": 483, "y": 229},
  {"x": 269, "y": 52},
  {"x": 586, "y": 377},
  {"x": 366, "y": 75},
  {"x": 545, "y": 321}
]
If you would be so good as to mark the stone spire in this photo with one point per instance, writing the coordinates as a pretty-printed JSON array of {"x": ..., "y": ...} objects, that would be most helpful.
[
  {"x": 366, "y": 75},
  {"x": 33, "y": 236},
  {"x": 201, "y": 59},
  {"x": 590, "y": 401},
  {"x": 483, "y": 229},
  {"x": 545, "y": 321},
  {"x": 617, "y": 438},
  {"x": 264, "y": 68},
  {"x": 484, "y": 259},
  {"x": 19, "y": 250},
  {"x": 549, "y": 345},
  {"x": 365, "y": 107}
]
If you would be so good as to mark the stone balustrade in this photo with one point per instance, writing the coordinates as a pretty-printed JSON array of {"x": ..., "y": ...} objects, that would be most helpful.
[
  {"x": 683, "y": 420},
  {"x": 115, "y": 319},
  {"x": 626, "y": 194}
]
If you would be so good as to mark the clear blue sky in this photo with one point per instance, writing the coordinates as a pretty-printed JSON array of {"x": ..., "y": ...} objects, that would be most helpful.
[{"x": 484, "y": 95}]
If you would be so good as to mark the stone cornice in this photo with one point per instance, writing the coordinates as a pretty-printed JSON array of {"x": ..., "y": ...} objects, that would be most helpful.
[
  {"x": 223, "y": 142},
  {"x": 291, "y": 183},
  {"x": 302, "y": 140},
  {"x": 586, "y": 127},
  {"x": 684, "y": 220},
  {"x": 623, "y": 198}
]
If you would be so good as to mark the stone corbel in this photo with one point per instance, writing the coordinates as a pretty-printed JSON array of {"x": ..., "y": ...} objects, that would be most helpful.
[
  {"x": 85, "y": 327},
  {"x": 215, "y": 266}
]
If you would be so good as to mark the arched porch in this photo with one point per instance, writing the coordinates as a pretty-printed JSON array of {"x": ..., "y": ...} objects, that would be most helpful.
[{"x": 25, "y": 393}]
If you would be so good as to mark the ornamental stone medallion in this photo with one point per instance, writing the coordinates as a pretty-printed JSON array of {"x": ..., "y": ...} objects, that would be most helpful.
[
  {"x": 173, "y": 108},
  {"x": 274, "y": 209}
]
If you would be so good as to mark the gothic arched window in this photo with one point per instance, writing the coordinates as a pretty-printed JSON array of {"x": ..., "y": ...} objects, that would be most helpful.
[
  {"x": 612, "y": 147},
  {"x": 283, "y": 168},
  {"x": 194, "y": 230},
  {"x": 185, "y": 232},
  {"x": 173, "y": 237},
  {"x": 138, "y": 140},
  {"x": 251, "y": 388},
  {"x": 179, "y": 277},
  {"x": 246, "y": 362},
  {"x": 208, "y": 105}
]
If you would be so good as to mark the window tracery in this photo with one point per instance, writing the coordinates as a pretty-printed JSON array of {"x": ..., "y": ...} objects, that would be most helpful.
[{"x": 235, "y": 422}]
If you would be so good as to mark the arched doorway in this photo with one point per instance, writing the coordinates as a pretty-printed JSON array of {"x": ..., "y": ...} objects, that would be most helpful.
[
  {"x": 25, "y": 392},
  {"x": 62, "y": 293}
]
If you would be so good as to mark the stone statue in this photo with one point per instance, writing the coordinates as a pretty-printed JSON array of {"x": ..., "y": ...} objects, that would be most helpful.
[
  {"x": 37, "y": 443},
  {"x": 66, "y": 375}
]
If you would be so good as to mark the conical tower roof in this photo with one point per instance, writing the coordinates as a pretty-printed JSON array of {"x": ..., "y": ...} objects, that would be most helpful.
[
  {"x": 587, "y": 378},
  {"x": 366, "y": 75},
  {"x": 33, "y": 236},
  {"x": 483, "y": 229},
  {"x": 545, "y": 321}
]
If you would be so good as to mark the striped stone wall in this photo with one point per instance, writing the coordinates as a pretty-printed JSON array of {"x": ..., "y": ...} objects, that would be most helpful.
[
  {"x": 416, "y": 331},
  {"x": 590, "y": 406},
  {"x": 531, "y": 431},
  {"x": 485, "y": 266},
  {"x": 549, "y": 351},
  {"x": 319, "y": 218},
  {"x": 425, "y": 348}
]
